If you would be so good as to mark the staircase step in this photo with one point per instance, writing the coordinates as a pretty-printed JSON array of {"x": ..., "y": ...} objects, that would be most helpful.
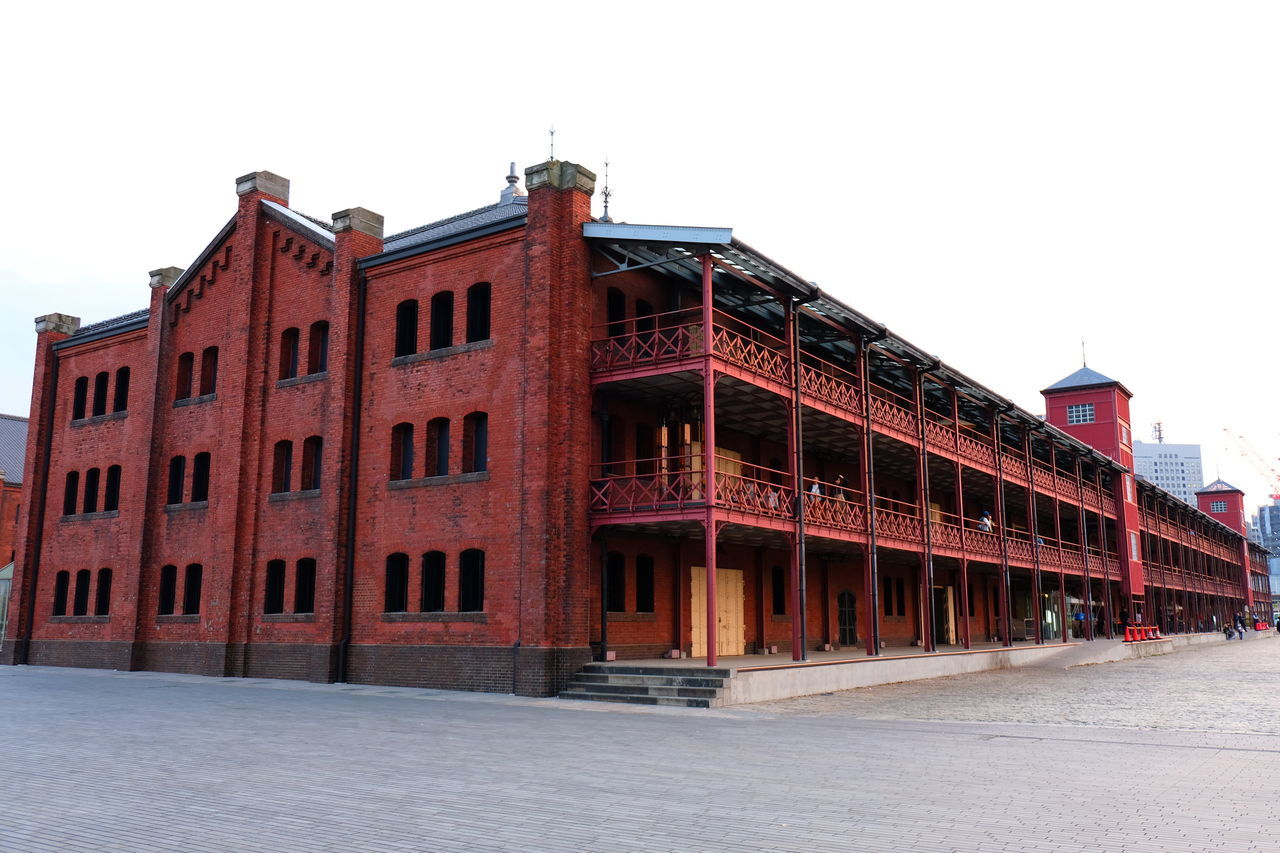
[
  {"x": 634, "y": 699},
  {"x": 647, "y": 689},
  {"x": 677, "y": 671},
  {"x": 668, "y": 680}
]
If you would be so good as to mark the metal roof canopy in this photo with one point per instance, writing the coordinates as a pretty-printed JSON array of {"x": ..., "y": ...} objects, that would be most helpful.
[{"x": 677, "y": 247}]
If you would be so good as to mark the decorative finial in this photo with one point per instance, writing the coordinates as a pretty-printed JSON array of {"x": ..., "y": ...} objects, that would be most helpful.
[
  {"x": 512, "y": 190},
  {"x": 1084, "y": 360},
  {"x": 552, "y": 131},
  {"x": 607, "y": 193}
]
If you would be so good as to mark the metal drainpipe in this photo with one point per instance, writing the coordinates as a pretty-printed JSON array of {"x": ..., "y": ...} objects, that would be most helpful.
[
  {"x": 802, "y": 609},
  {"x": 1005, "y": 592},
  {"x": 931, "y": 640},
  {"x": 1034, "y": 518},
  {"x": 873, "y": 635},
  {"x": 24, "y": 653},
  {"x": 349, "y": 570},
  {"x": 604, "y": 599}
]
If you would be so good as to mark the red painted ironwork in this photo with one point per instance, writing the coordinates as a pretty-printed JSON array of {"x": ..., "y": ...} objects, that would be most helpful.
[
  {"x": 745, "y": 346},
  {"x": 760, "y": 494},
  {"x": 892, "y": 410},
  {"x": 829, "y": 383},
  {"x": 898, "y": 525},
  {"x": 975, "y": 450},
  {"x": 673, "y": 486},
  {"x": 642, "y": 341}
]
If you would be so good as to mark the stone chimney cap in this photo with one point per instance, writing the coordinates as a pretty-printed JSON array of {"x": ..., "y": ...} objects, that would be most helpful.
[
  {"x": 358, "y": 219},
  {"x": 165, "y": 276},
  {"x": 63, "y": 324},
  {"x": 267, "y": 183},
  {"x": 560, "y": 175}
]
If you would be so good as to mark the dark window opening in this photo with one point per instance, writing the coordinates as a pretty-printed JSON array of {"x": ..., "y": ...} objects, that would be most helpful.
[
  {"x": 102, "y": 599},
  {"x": 407, "y": 327},
  {"x": 644, "y": 584},
  {"x": 437, "y": 447},
  {"x": 60, "y": 584},
  {"x": 100, "y": 393},
  {"x": 120, "y": 402},
  {"x": 779, "y": 591},
  {"x": 616, "y": 309},
  {"x": 478, "y": 300},
  {"x": 191, "y": 589},
  {"x": 91, "y": 481},
  {"x": 887, "y": 596},
  {"x": 288, "y": 353},
  {"x": 168, "y": 589},
  {"x": 111, "y": 497},
  {"x": 273, "y": 600},
  {"x": 209, "y": 371},
  {"x": 70, "y": 493},
  {"x": 442, "y": 320},
  {"x": 318, "y": 347},
  {"x": 177, "y": 474},
  {"x": 615, "y": 572},
  {"x": 182, "y": 383},
  {"x": 847, "y": 617},
  {"x": 433, "y": 582},
  {"x": 471, "y": 581},
  {"x": 402, "y": 452},
  {"x": 200, "y": 477},
  {"x": 304, "y": 586},
  {"x": 645, "y": 462},
  {"x": 282, "y": 467},
  {"x": 79, "y": 397},
  {"x": 475, "y": 442},
  {"x": 312, "y": 457},
  {"x": 902, "y": 596},
  {"x": 397, "y": 592}
]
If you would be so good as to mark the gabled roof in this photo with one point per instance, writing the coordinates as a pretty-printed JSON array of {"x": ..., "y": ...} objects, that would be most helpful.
[
  {"x": 112, "y": 324},
  {"x": 13, "y": 447},
  {"x": 1085, "y": 377},
  {"x": 1219, "y": 486},
  {"x": 493, "y": 214}
]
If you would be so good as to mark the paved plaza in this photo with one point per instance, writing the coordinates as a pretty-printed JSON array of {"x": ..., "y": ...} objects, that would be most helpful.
[{"x": 1170, "y": 753}]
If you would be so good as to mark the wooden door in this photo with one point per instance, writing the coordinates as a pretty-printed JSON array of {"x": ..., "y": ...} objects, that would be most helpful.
[{"x": 731, "y": 626}]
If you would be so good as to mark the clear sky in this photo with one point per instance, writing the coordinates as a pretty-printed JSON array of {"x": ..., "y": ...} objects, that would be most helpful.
[{"x": 993, "y": 181}]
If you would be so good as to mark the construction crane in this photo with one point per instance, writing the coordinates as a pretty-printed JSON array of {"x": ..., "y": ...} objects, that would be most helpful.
[{"x": 1264, "y": 466}]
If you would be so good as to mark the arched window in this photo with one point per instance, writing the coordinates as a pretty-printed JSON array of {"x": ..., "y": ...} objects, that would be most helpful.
[
  {"x": 182, "y": 383},
  {"x": 102, "y": 600},
  {"x": 177, "y": 476},
  {"x": 442, "y": 320},
  {"x": 79, "y": 398},
  {"x": 70, "y": 493},
  {"x": 60, "y": 583},
  {"x": 120, "y": 401},
  {"x": 478, "y": 299},
  {"x": 288, "y": 353},
  {"x": 273, "y": 600},
  {"x": 282, "y": 467},
  {"x": 100, "y": 393},
  {"x": 433, "y": 581},
  {"x": 312, "y": 456},
  {"x": 200, "y": 477},
  {"x": 779, "y": 591},
  {"x": 644, "y": 584},
  {"x": 471, "y": 581},
  {"x": 304, "y": 586},
  {"x": 615, "y": 570},
  {"x": 402, "y": 452},
  {"x": 191, "y": 589},
  {"x": 318, "y": 347},
  {"x": 616, "y": 311},
  {"x": 92, "y": 478},
  {"x": 397, "y": 591},
  {"x": 437, "y": 447},
  {"x": 80, "y": 604},
  {"x": 475, "y": 442},
  {"x": 111, "y": 497},
  {"x": 407, "y": 327},
  {"x": 209, "y": 371},
  {"x": 168, "y": 590}
]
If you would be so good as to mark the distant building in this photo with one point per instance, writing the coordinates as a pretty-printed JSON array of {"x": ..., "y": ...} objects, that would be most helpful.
[
  {"x": 1175, "y": 468},
  {"x": 1267, "y": 525},
  {"x": 13, "y": 448}
]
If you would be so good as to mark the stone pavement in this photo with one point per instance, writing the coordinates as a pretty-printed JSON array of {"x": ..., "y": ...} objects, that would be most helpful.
[{"x": 1174, "y": 753}]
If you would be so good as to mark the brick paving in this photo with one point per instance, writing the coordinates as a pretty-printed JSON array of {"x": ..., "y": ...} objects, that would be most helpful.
[{"x": 1173, "y": 753}]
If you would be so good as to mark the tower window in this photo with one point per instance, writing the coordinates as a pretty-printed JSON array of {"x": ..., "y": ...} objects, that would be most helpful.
[
  {"x": 1217, "y": 506},
  {"x": 1080, "y": 413}
]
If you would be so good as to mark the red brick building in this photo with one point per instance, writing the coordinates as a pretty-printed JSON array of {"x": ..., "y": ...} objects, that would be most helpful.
[{"x": 475, "y": 455}]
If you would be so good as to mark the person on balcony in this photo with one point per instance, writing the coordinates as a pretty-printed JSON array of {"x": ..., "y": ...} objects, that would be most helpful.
[
  {"x": 815, "y": 488},
  {"x": 838, "y": 490},
  {"x": 985, "y": 523}
]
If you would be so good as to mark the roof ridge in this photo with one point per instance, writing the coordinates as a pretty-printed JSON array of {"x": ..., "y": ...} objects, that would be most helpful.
[{"x": 448, "y": 219}]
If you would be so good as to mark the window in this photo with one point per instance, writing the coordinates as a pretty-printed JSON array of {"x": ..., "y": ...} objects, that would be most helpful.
[
  {"x": 1080, "y": 413},
  {"x": 407, "y": 327},
  {"x": 887, "y": 595},
  {"x": 442, "y": 320},
  {"x": 80, "y": 604},
  {"x": 100, "y": 393},
  {"x": 79, "y": 397},
  {"x": 209, "y": 371},
  {"x": 318, "y": 348},
  {"x": 60, "y": 584},
  {"x": 177, "y": 474},
  {"x": 402, "y": 452},
  {"x": 273, "y": 600},
  {"x": 120, "y": 402},
  {"x": 902, "y": 596},
  {"x": 200, "y": 477},
  {"x": 475, "y": 442},
  {"x": 433, "y": 581},
  {"x": 312, "y": 455},
  {"x": 615, "y": 574},
  {"x": 644, "y": 584},
  {"x": 70, "y": 493},
  {"x": 111, "y": 498},
  {"x": 1217, "y": 506},
  {"x": 191, "y": 589},
  {"x": 304, "y": 586},
  {"x": 102, "y": 600},
  {"x": 471, "y": 581},
  {"x": 779, "y": 591},
  {"x": 478, "y": 298},
  {"x": 282, "y": 467},
  {"x": 437, "y": 447},
  {"x": 91, "y": 481},
  {"x": 288, "y": 353},
  {"x": 397, "y": 593},
  {"x": 616, "y": 310},
  {"x": 168, "y": 590},
  {"x": 182, "y": 384}
]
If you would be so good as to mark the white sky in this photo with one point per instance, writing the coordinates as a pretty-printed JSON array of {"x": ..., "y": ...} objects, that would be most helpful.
[{"x": 993, "y": 181}]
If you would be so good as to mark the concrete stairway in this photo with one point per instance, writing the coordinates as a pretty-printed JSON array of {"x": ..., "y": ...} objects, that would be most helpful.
[{"x": 692, "y": 687}]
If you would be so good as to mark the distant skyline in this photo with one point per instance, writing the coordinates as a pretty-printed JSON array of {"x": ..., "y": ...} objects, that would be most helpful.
[{"x": 993, "y": 181}]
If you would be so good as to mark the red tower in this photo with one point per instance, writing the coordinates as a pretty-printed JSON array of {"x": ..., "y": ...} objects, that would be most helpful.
[{"x": 1225, "y": 502}]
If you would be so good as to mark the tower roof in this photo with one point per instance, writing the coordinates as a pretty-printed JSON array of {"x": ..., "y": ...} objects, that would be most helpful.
[
  {"x": 1219, "y": 486},
  {"x": 1085, "y": 377}
]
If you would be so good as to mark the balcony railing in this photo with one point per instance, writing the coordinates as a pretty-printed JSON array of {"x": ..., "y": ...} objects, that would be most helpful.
[
  {"x": 890, "y": 409},
  {"x": 830, "y": 383}
]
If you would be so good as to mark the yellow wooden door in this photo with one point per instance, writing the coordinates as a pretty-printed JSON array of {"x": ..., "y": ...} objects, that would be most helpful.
[{"x": 731, "y": 625}]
